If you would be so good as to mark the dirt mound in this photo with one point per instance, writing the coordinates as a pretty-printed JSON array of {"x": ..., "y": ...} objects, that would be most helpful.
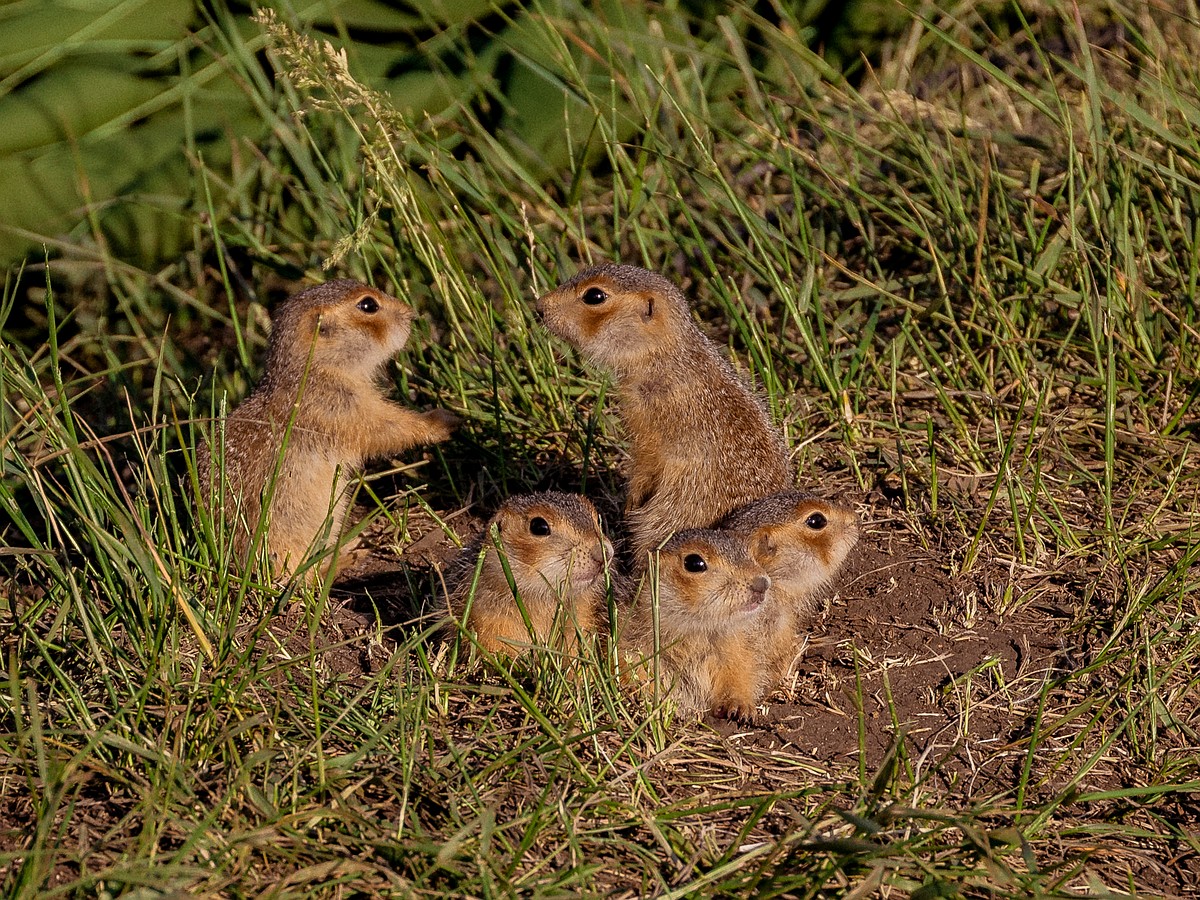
[{"x": 905, "y": 649}]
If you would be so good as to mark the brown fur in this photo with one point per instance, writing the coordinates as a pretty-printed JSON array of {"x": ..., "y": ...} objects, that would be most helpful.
[
  {"x": 722, "y": 641},
  {"x": 560, "y": 576},
  {"x": 325, "y": 357},
  {"x": 801, "y": 540},
  {"x": 701, "y": 443}
]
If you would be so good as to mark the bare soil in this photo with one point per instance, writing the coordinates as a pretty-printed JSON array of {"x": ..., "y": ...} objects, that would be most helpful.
[{"x": 907, "y": 651}]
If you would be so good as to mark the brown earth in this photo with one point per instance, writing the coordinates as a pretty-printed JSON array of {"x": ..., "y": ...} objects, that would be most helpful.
[{"x": 926, "y": 656}]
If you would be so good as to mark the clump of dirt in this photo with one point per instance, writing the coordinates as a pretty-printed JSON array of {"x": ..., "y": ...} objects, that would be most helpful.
[{"x": 905, "y": 649}]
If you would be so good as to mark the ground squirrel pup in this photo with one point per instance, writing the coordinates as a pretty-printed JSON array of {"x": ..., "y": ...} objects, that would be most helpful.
[
  {"x": 557, "y": 554},
  {"x": 722, "y": 640},
  {"x": 325, "y": 355},
  {"x": 801, "y": 541},
  {"x": 701, "y": 443}
]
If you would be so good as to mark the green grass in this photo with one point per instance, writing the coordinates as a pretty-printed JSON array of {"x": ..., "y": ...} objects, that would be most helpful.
[{"x": 966, "y": 283}]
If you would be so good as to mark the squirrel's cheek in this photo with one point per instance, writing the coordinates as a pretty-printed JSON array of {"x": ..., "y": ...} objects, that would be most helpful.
[{"x": 376, "y": 330}]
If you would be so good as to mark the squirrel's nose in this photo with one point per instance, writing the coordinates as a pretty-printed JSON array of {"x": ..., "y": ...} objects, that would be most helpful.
[{"x": 760, "y": 584}]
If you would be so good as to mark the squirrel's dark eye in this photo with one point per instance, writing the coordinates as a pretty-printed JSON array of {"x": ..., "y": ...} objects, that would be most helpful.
[
  {"x": 539, "y": 526},
  {"x": 369, "y": 305},
  {"x": 594, "y": 296},
  {"x": 694, "y": 562},
  {"x": 816, "y": 521}
]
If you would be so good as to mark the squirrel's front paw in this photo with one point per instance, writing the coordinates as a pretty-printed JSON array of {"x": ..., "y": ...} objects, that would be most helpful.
[
  {"x": 441, "y": 423},
  {"x": 744, "y": 712}
]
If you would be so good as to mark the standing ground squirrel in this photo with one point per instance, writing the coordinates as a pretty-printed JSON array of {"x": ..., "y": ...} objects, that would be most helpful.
[
  {"x": 801, "y": 541},
  {"x": 722, "y": 641},
  {"x": 321, "y": 395},
  {"x": 556, "y": 553},
  {"x": 701, "y": 443}
]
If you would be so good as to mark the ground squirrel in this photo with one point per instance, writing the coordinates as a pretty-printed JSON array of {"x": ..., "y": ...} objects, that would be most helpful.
[
  {"x": 801, "y": 541},
  {"x": 321, "y": 393},
  {"x": 701, "y": 443},
  {"x": 557, "y": 555},
  {"x": 722, "y": 641}
]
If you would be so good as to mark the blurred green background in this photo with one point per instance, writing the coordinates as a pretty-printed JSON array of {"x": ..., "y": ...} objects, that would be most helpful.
[{"x": 126, "y": 121}]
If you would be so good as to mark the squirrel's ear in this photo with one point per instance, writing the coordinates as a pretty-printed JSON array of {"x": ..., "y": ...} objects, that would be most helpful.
[
  {"x": 649, "y": 313},
  {"x": 763, "y": 543}
]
